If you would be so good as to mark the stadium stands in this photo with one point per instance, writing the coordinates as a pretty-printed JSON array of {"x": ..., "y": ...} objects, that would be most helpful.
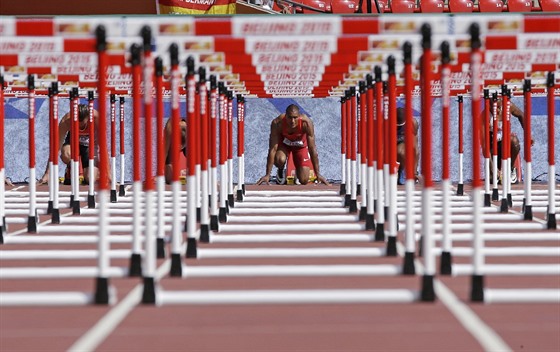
[
  {"x": 458, "y": 6},
  {"x": 519, "y": 5},
  {"x": 402, "y": 6},
  {"x": 432, "y": 6},
  {"x": 347, "y": 6},
  {"x": 490, "y": 5},
  {"x": 550, "y": 5}
]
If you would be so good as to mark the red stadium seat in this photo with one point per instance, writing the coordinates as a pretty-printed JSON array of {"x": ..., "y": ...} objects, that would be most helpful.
[
  {"x": 402, "y": 6},
  {"x": 320, "y": 5},
  {"x": 550, "y": 5},
  {"x": 345, "y": 6},
  {"x": 431, "y": 6},
  {"x": 456, "y": 6},
  {"x": 490, "y": 5},
  {"x": 519, "y": 5}
]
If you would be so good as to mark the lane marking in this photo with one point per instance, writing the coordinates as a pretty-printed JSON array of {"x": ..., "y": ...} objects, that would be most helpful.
[{"x": 98, "y": 333}]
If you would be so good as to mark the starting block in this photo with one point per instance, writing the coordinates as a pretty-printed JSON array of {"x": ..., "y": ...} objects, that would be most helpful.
[{"x": 291, "y": 177}]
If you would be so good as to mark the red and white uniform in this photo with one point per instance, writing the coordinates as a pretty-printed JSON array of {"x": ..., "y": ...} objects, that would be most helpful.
[{"x": 295, "y": 142}]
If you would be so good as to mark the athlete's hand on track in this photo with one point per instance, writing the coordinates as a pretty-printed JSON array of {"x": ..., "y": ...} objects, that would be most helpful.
[
  {"x": 44, "y": 180},
  {"x": 265, "y": 178},
  {"x": 321, "y": 179},
  {"x": 8, "y": 182}
]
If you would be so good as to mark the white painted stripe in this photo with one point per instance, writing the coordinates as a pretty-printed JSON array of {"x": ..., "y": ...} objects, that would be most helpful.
[
  {"x": 88, "y": 228},
  {"x": 58, "y": 272},
  {"x": 248, "y": 204},
  {"x": 109, "y": 322},
  {"x": 483, "y": 333},
  {"x": 289, "y": 252},
  {"x": 288, "y": 296},
  {"x": 60, "y": 254},
  {"x": 486, "y": 226},
  {"x": 260, "y": 238},
  {"x": 506, "y": 251},
  {"x": 520, "y": 295},
  {"x": 521, "y": 236},
  {"x": 291, "y": 270},
  {"x": 291, "y": 198},
  {"x": 68, "y": 239},
  {"x": 285, "y": 219},
  {"x": 45, "y": 299},
  {"x": 509, "y": 269},
  {"x": 284, "y": 211},
  {"x": 256, "y": 193},
  {"x": 291, "y": 227}
]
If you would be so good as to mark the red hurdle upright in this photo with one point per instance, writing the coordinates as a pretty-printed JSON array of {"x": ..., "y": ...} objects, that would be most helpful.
[
  {"x": 55, "y": 211},
  {"x": 551, "y": 216},
  {"x": 204, "y": 191},
  {"x": 160, "y": 170},
  {"x": 527, "y": 201},
  {"x": 3, "y": 227},
  {"x": 32, "y": 218},
  {"x": 380, "y": 211},
  {"x": 191, "y": 160}
]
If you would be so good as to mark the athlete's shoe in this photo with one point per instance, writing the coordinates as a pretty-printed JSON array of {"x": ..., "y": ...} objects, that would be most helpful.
[
  {"x": 281, "y": 176},
  {"x": 513, "y": 177}
]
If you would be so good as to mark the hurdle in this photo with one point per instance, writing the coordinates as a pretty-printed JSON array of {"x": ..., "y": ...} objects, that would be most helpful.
[
  {"x": 3, "y": 227},
  {"x": 252, "y": 209}
]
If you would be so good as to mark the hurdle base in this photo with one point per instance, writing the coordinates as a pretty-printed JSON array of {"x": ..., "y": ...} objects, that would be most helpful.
[
  {"x": 113, "y": 196},
  {"x": 55, "y": 216},
  {"x": 495, "y": 195},
  {"x": 49, "y": 207},
  {"x": 160, "y": 248},
  {"x": 4, "y": 226},
  {"x": 342, "y": 189},
  {"x": 427, "y": 293},
  {"x": 445, "y": 263},
  {"x": 135, "y": 269},
  {"x": 370, "y": 222},
  {"x": 3, "y": 231},
  {"x": 363, "y": 212},
  {"x": 101, "y": 295},
  {"x": 231, "y": 200},
  {"x": 227, "y": 207},
  {"x": 91, "y": 201},
  {"x": 204, "y": 233},
  {"x": 149, "y": 292},
  {"x": 198, "y": 214},
  {"x": 240, "y": 195},
  {"x": 353, "y": 207},
  {"x": 176, "y": 269},
  {"x": 71, "y": 204},
  {"x": 76, "y": 207},
  {"x": 487, "y": 200},
  {"x": 243, "y": 188},
  {"x": 509, "y": 200},
  {"x": 380, "y": 233},
  {"x": 408, "y": 265},
  {"x": 214, "y": 222},
  {"x": 191, "y": 248},
  {"x": 358, "y": 188},
  {"x": 528, "y": 213},
  {"x": 391, "y": 250},
  {"x": 122, "y": 191},
  {"x": 222, "y": 217},
  {"x": 32, "y": 224},
  {"x": 460, "y": 189},
  {"x": 504, "y": 206},
  {"x": 477, "y": 288},
  {"x": 421, "y": 246},
  {"x": 347, "y": 199},
  {"x": 551, "y": 221}
]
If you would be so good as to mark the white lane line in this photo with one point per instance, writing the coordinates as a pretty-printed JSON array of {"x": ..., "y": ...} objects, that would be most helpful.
[
  {"x": 109, "y": 322},
  {"x": 483, "y": 333}
]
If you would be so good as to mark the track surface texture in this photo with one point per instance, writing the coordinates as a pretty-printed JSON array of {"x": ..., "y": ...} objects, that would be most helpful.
[{"x": 212, "y": 308}]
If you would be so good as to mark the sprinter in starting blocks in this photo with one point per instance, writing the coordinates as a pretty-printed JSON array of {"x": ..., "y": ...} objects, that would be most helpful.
[{"x": 292, "y": 139}]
